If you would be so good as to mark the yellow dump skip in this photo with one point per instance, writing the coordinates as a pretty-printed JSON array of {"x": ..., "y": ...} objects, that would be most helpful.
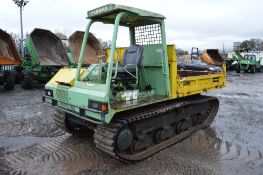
[
  {"x": 200, "y": 84},
  {"x": 186, "y": 83}
]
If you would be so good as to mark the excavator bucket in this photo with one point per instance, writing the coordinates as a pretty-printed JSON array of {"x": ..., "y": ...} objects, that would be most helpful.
[
  {"x": 9, "y": 54},
  {"x": 46, "y": 49},
  {"x": 212, "y": 56},
  {"x": 93, "y": 48}
]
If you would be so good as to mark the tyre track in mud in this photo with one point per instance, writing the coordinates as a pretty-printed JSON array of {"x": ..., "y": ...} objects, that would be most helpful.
[
  {"x": 31, "y": 127},
  {"x": 65, "y": 149},
  {"x": 21, "y": 118},
  {"x": 231, "y": 151},
  {"x": 34, "y": 109}
]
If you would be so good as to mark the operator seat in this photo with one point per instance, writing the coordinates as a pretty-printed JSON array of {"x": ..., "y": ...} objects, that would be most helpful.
[
  {"x": 131, "y": 62},
  {"x": 132, "y": 57}
]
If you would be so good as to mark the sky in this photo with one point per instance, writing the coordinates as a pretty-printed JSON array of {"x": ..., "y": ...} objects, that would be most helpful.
[{"x": 189, "y": 23}]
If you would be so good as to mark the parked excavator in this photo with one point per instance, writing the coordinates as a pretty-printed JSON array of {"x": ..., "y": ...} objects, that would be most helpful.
[{"x": 137, "y": 102}]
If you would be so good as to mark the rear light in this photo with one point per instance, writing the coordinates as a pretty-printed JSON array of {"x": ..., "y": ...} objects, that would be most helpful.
[
  {"x": 99, "y": 106},
  {"x": 49, "y": 92},
  {"x": 103, "y": 107}
]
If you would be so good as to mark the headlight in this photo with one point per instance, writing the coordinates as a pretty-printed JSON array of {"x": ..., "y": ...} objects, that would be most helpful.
[
  {"x": 99, "y": 106},
  {"x": 49, "y": 92}
]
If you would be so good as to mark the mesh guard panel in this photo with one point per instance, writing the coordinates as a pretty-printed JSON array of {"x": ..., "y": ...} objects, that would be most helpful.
[{"x": 148, "y": 34}]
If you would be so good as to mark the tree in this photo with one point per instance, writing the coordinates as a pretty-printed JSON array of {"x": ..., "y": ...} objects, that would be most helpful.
[
  {"x": 261, "y": 46},
  {"x": 105, "y": 44},
  {"x": 61, "y": 35},
  {"x": 256, "y": 42},
  {"x": 247, "y": 44},
  {"x": 253, "y": 44},
  {"x": 15, "y": 37}
]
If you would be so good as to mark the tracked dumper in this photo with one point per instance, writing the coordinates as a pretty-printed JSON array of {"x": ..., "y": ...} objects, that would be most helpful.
[
  {"x": 137, "y": 103},
  {"x": 9, "y": 57},
  {"x": 45, "y": 55}
]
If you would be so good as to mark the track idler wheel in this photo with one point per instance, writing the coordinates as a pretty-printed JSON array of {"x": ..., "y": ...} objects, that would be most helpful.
[{"x": 124, "y": 139}]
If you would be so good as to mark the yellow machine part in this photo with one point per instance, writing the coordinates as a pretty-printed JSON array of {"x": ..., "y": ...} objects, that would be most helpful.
[
  {"x": 171, "y": 52},
  {"x": 120, "y": 51},
  {"x": 182, "y": 86},
  {"x": 200, "y": 84},
  {"x": 117, "y": 55},
  {"x": 66, "y": 76}
]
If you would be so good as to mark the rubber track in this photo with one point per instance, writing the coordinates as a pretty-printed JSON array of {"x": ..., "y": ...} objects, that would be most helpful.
[{"x": 104, "y": 136}]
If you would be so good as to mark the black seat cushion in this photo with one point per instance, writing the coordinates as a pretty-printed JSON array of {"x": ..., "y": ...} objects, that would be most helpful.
[
  {"x": 121, "y": 69},
  {"x": 133, "y": 55}
]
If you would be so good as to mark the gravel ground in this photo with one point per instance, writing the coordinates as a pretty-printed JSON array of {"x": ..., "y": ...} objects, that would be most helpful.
[{"x": 30, "y": 142}]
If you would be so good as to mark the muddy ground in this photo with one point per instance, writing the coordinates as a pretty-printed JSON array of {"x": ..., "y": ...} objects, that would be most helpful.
[{"x": 30, "y": 142}]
